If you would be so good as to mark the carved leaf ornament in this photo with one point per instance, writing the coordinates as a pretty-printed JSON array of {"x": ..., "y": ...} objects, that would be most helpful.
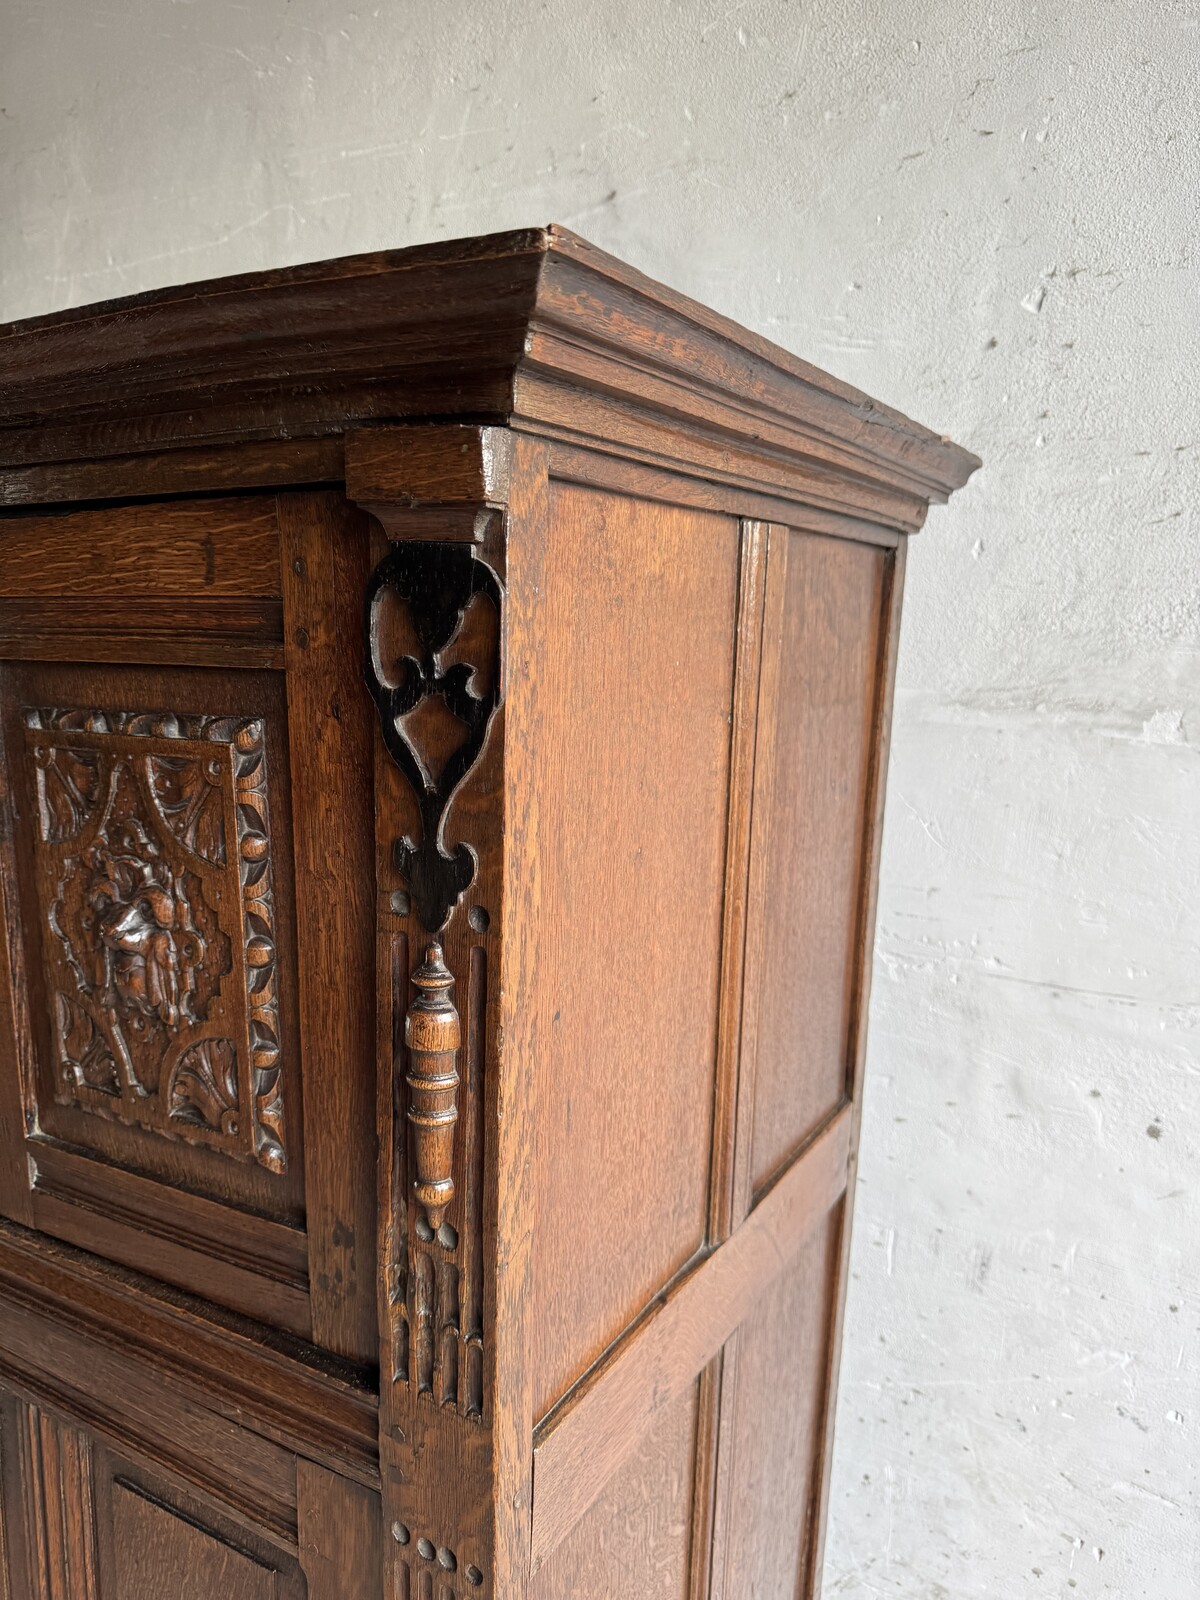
[{"x": 154, "y": 877}]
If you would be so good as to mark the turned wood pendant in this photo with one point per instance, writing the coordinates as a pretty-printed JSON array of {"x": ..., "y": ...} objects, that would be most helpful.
[{"x": 432, "y": 1035}]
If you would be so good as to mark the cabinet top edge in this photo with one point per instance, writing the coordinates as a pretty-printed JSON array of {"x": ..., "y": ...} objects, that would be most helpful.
[{"x": 506, "y": 327}]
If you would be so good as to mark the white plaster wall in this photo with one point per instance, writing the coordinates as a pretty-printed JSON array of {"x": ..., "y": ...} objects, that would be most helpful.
[{"x": 985, "y": 214}]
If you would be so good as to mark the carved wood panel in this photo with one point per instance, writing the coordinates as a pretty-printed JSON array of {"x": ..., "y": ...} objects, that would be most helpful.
[
  {"x": 434, "y": 647},
  {"x": 154, "y": 888},
  {"x": 433, "y": 623},
  {"x": 435, "y": 712}
]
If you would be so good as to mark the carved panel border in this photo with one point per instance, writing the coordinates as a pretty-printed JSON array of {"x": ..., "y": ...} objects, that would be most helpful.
[{"x": 154, "y": 881}]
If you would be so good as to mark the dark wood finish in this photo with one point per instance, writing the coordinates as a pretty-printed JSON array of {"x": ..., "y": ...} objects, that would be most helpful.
[
  {"x": 438, "y": 584},
  {"x": 151, "y": 948},
  {"x": 153, "y": 1549},
  {"x": 155, "y": 877},
  {"x": 240, "y": 1259},
  {"x": 519, "y": 326},
  {"x": 340, "y": 1537},
  {"x": 492, "y": 605},
  {"x": 439, "y": 482},
  {"x": 183, "y": 470},
  {"x": 56, "y": 1461},
  {"x": 207, "y": 549},
  {"x": 284, "y": 1390},
  {"x": 325, "y": 562},
  {"x": 230, "y": 633}
]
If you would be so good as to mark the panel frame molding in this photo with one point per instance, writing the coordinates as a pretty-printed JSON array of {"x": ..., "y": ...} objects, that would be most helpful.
[
  {"x": 585, "y": 1441},
  {"x": 275, "y": 1386}
]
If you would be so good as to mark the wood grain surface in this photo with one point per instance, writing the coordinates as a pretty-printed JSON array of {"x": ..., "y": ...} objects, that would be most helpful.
[{"x": 444, "y": 702}]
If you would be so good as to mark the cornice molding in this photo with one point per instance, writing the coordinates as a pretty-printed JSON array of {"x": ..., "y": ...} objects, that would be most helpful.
[{"x": 537, "y": 330}]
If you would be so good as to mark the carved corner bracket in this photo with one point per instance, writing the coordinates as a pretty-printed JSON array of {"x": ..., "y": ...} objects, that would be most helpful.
[
  {"x": 438, "y": 582},
  {"x": 435, "y": 490},
  {"x": 440, "y": 481}
]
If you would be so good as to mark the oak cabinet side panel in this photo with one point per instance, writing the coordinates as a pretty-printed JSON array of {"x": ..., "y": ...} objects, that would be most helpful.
[
  {"x": 772, "y": 1427},
  {"x": 636, "y": 1539},
  {"x": 635, "y": 663},
  {"x": 824, "y": 607}
]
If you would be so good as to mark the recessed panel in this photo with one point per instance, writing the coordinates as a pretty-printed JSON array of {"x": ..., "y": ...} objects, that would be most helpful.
[
  {"x": 820, "y": 670},
  {"x": 636, "y": 1538},
  {"x": 773, "y": 1421},
  {"x": 634, "y": 694},
  {"x": 156, "y": 1552},
  {"x": 153, "y": 871}
]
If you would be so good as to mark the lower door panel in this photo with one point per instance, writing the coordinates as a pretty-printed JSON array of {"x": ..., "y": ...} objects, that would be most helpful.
[{"x": 83, "y": 1523}]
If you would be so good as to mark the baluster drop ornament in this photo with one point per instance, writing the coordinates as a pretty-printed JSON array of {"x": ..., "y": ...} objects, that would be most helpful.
[{"x": 432, "y": 1036}]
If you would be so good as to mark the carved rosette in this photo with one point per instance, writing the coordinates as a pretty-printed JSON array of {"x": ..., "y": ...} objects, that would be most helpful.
[{"x": 155, "y": 885}]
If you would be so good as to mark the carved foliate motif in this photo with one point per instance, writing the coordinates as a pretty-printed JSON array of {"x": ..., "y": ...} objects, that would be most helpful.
[
  {"x": 437, "y": 581},
  {"x": 154, "y": 879}
]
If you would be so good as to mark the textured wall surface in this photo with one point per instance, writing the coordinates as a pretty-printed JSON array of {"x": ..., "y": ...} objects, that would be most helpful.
[{"x": 985, "y": 214}]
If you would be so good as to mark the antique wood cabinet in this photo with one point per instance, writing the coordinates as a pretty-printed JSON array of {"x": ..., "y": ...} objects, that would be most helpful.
[{"x": 443, "y": 719}]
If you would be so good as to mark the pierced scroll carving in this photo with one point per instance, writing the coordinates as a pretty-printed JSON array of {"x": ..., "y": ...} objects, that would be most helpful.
[
  {"x": 155, "y": 885},
  {"x": 438, "y": 581},
  {"x": 432, "y": 1037}
]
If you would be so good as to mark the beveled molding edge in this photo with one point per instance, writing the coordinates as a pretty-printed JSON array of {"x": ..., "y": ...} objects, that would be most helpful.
[
  {"x": 451, "y": 327},
  {"x": 309, "y": 1402},
  {"x": 703, "y": 479}
]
